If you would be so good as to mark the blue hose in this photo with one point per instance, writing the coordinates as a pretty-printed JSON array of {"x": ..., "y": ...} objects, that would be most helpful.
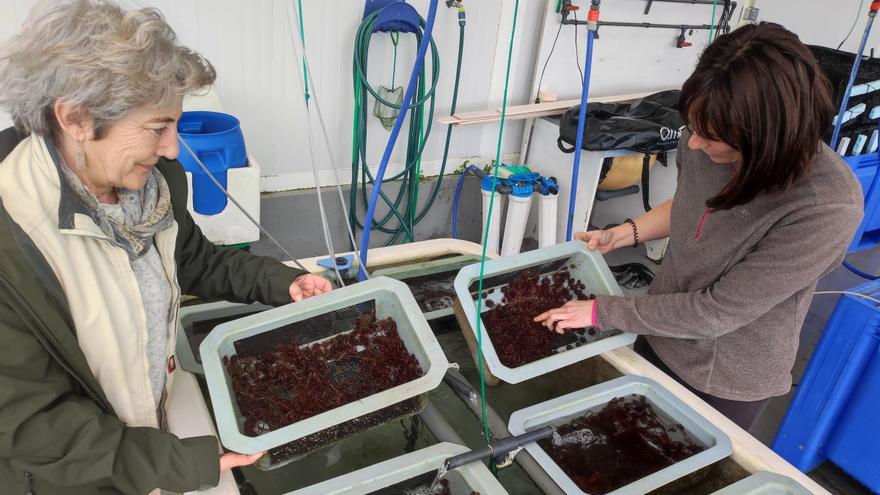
[
  {"x": 859, "y": 272},
  {"x": 458, "y": 186},
  {"x": 844, "y": 102},
  {"x": 398, "y": 123},
  {"x": 582, "y": 118}
]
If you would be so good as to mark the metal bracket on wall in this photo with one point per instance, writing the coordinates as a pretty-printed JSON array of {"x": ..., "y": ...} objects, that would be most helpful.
[{"x": 723, "y": 24}]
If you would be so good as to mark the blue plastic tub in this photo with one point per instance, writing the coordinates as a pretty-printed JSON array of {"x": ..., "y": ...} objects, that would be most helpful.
[
  {"x": 217, "y": 140},
  {"x": 833, "y": 415},
  {"x": 865, "y": 168}
]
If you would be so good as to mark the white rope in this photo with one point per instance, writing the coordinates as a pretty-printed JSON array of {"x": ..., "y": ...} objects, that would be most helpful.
[
  {"x": 303, "y": 61},
  {"x": 863, "y": 296}
]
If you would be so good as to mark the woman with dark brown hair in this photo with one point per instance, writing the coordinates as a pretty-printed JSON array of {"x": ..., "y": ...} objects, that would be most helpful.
[{"x": 763, "y": 208}]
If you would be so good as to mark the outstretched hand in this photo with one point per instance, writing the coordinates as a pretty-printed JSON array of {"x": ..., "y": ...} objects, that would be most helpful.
[
  {"x": 308, "y": 285},
  {"x": 603, "y": 240},
  {"x": 573, "y": 314},
  {"x": 231, "y": 460}
]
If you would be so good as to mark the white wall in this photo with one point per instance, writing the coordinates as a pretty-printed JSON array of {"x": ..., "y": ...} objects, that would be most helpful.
[
  {"x": 625, "y": 59},
  {"x": 824, "y": 23},
  {"x": 250, "y": 44},
  {"x": 258, "y": 80}
]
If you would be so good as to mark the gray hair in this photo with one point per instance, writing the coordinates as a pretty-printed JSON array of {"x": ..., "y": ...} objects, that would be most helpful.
[{"x": 94, "y": 55}]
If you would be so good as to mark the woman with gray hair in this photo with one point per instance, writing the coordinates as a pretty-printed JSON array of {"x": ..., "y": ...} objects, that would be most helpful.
[{"x": 97, "y": 247}]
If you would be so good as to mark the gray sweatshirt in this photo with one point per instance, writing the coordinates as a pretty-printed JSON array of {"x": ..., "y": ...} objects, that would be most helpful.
[{"x": 726, "y": 308}]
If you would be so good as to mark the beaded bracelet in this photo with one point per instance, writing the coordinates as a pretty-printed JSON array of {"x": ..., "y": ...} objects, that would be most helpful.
[{"x": 635, "y": 232}]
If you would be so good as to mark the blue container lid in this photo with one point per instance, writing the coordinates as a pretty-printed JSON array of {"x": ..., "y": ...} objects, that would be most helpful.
[{"x": 202, "y": 123}]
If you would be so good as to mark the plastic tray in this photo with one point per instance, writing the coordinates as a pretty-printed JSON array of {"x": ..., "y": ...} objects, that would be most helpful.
[
  {"x": 764, "y": 483},
  {"x": 562, "y": 409},
  {"x": 589, "y": 267},
  {"x": 471, "y": 477},
  {"x": 187, "y": 343},
  {"x": 391, "y": 298},
  {"x": 421, "y": 277}
]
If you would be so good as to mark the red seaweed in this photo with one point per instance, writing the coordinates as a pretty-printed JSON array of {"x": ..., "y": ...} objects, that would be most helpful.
[
  {"x": 622, "y": 442},
  {"x": 294, "y": 382},
  {"x": 517, "y": 339}
]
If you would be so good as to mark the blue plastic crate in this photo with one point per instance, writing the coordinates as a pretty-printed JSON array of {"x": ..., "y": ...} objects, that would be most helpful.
[
  {"x": 865, "y": 168},
  {"x": 833, "y": 414}
]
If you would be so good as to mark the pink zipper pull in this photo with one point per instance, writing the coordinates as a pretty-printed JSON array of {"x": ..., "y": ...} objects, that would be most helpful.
[{"x": 702, "y": 222}]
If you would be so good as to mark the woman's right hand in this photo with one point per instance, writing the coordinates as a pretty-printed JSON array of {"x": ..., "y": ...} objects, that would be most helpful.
[
  {"x": 603, "y": 240},
  {"x": 231, "y": 460}
]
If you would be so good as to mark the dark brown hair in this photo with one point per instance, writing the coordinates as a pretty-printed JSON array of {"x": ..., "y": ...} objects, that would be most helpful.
[{"x": 759, "y": 90}]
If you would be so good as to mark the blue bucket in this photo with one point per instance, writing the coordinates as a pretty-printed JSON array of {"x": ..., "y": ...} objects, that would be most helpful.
[{"x": 217, "y": 140}]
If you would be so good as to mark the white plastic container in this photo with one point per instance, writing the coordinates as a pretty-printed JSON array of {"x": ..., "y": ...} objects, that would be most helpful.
[
  {"x": 547, "y": 207},
  {"x": 515, "y": 225},
  {"x": 588, "y": 267},
  {"x": 466, "y": 479},
  {"x": 187, "y": 343},
  {"x": 231, "y": 226},
  {"x": 494, "y": 237},
  {"x": 391, "y": 298},
  {"x": 561, "y": 410},
  {"x": 764, "y": 483},
  {"x": 430, "y": 281}
]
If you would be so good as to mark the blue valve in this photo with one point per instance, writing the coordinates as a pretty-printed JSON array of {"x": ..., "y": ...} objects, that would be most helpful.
[{"x": 342, "y": 262}]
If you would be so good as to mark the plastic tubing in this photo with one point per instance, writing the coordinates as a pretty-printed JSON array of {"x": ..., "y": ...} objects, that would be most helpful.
[
  {"x": 579, "y": 141},
  {"x": 398, "y": 123},
  {"x": 859, "y": 272}
]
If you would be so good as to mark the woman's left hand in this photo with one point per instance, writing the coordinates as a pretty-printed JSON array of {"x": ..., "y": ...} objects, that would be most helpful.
[
  {"x": 308, "y": 285},
  {"x": 573, "y": 314}
]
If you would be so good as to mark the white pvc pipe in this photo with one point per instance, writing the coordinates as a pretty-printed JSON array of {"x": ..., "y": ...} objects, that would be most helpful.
[
  {"x": 515, "y": 227},
  {"x": 547, "y": 206},
  {"x": 494, "y": 235}
]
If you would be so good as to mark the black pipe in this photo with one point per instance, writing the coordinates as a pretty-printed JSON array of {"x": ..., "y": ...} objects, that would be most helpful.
[
  {"x": 460, "y": 386},
  {"x": 648, "y": 25},
  {"x": 723, "y": 24},
  {"x": 499, "y": 448},
  {"x": 498, "y": 428}
]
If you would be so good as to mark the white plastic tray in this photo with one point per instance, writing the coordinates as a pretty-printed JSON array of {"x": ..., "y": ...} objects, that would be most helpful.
[
  {"x": 561, "y": 410},
  {"x": 471, "y": 477},
  {"x": 186, "y": 358},
  {"x": 392, "y": 299},
  {"x": 764, "y": 483},
  {"x": 427, "y": 268},
  {"x": 589, "y": 267}
]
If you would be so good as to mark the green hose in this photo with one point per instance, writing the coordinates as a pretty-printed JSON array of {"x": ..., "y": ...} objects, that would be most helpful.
[{"x": 403, "y": 212}]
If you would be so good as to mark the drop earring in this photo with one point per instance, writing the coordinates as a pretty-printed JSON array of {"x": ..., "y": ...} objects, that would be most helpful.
[{"x": 80, "y": 158}]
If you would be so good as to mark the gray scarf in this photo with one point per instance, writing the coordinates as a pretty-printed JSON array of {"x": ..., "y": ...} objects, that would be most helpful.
[{"x": 151, "y": 207}]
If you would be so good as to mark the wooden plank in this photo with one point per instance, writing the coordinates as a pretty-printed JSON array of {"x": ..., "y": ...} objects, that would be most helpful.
[{"x": 530, "y": 111}]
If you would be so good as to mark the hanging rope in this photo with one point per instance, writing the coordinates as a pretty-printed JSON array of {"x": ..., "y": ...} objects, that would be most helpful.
[
  {"x": 712, "y": 24},
  {"x": 394, "y": 37},
  {"x": 302, "y": 36},
  {"x": 486, "y": 231}
]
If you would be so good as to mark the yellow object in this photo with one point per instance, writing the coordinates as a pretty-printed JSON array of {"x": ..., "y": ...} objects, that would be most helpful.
[{"x": 625, "y": 171}]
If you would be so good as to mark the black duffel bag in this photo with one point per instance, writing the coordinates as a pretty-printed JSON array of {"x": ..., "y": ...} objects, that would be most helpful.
[{"x": 650, "y": 125}]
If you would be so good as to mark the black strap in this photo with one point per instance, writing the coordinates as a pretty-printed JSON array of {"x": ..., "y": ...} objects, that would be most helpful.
[
  {"x": 561, "y": 145},
  {"x": 607, "y": 162},
  {"x": 646, "y": 168}
]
